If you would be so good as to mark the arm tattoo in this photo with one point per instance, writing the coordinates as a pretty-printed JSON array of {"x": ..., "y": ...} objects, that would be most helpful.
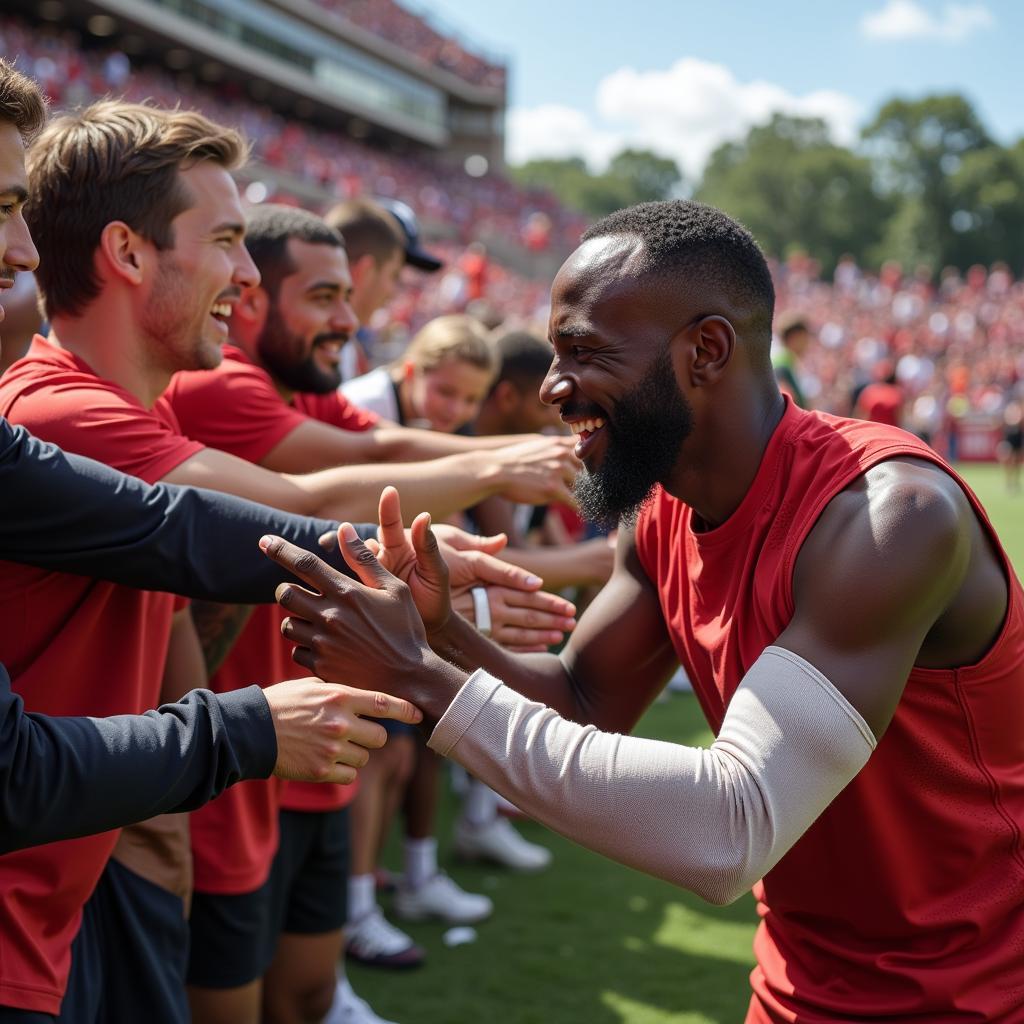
[{"x": 218, "y": 626}]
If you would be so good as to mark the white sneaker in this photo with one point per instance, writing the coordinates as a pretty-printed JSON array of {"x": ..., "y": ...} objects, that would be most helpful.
[
  {"x": 459, "y": 778},
  {"x": 441, "y": 898},
  {"x": 680, "y": 682},
  {"x": 374, "y": 941},
  {"x": 348, "y": 1008},
  {"x": 500, "y": 843}
]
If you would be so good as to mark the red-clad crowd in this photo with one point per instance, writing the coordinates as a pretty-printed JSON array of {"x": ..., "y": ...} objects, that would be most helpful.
[
  {"x": 469, "y": 281},
  {"x": 443, "y": 194},
  {"x": 391, "y": 21},
  {"x": 953, "y": 345}
]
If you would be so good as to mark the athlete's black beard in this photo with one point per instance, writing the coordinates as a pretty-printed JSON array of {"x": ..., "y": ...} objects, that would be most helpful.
[
  {"x": 278, "y": 350},
  {"x": 649, "y": 425}
]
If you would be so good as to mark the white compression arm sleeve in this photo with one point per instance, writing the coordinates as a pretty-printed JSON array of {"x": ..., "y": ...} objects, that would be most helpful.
[{"x": 713, "y": 821}]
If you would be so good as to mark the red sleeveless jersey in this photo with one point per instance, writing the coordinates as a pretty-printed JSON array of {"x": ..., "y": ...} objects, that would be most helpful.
[{"x": 904, "y": 901}]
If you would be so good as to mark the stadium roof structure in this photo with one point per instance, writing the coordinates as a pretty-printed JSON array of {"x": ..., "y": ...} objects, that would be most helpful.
[{"x": 307, "y": 60}]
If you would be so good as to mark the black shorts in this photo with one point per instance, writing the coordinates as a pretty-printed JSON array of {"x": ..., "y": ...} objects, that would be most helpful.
[
  {"x": 230, "y": 938},
  {"x": 128, "y": 959},
  {"x": 309, "y": 876}
]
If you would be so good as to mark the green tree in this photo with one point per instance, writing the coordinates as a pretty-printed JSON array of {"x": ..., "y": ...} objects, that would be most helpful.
[
  {"x": 795, "y": 189},
  {"x": 918, "y": 147},
  {"x": 987, "y": 196},
  {"x": 649, "y": 177},
  {"x": 633, "y": 176},
  {"x": 566, "y": 178}
]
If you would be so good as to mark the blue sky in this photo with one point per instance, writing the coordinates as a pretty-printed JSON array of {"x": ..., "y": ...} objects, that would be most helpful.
[{"x": 681, "y": 76}]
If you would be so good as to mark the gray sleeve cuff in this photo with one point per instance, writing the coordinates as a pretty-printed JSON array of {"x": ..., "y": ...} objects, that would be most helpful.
[{"x": 471, "y": 699}]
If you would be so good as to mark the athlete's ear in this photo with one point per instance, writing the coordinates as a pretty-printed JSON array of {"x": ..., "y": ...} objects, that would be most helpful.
[
  {"x": 124, "y": 254},
  {"x": 712, "y": 344}
]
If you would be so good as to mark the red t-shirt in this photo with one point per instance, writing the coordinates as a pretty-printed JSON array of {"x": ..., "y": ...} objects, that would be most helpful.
[
  {"x": 74, "y": 646},
  {"x": 881, "y": 403},
  {"x": 237, "y": 409},
  {"x": 904, "y": 901}
]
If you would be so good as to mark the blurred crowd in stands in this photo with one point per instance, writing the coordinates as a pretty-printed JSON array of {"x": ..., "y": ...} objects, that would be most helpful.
[
  {"x": 951, "y": 346},
  {"x": 443, "y": 194},
  {"x": 391, "y": 21}
]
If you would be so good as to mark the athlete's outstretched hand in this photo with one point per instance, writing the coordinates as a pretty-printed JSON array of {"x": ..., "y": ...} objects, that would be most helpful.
[
  {"x": 522, "y": 615},
  {"x": 322, "y": 735},
  {"x": 364, "y": 632}
]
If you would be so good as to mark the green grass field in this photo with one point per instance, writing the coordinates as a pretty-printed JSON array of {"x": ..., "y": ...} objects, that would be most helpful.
[{"x": 590, "y": 942}]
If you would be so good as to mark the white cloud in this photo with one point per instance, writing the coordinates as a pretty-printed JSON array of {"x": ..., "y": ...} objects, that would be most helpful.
[
  {"x": 552, "y": 130},
  {"x": 684, "y": 111},
  {"x": 907, "y": 19}
]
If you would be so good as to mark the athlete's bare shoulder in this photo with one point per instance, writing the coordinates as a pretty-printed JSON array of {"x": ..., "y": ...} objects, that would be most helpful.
[
  {"x": 903, "y": 490},
  {"x": 905, "y": 536}
]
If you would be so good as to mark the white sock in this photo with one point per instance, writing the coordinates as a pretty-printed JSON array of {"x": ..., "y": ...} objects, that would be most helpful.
[
  {"x": 336, "y": 1014},
  {"x": 420, "y": 861},
  {"x": 362, "y": 895},
  {"x": 480, "y": 806}
]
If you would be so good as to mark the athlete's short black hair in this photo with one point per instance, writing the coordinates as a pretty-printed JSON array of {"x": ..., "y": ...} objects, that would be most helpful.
[
  {"x": 685, "y": 239},
  {"x": 524, "y": 359},
  {"x": 267, "y": 232}
]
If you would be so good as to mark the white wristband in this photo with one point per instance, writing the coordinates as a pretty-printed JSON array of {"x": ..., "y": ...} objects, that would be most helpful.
[{"x": 481, "y": 610}]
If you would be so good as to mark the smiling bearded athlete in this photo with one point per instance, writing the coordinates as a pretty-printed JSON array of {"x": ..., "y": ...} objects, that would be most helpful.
[{"x": 850, "y": 622}]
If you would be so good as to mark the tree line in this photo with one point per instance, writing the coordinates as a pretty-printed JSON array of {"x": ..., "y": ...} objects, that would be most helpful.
[{"x": 926, "y": 185}]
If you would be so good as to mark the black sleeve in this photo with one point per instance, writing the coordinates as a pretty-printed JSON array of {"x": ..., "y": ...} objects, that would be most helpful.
[
  {"x": 67, "y": 777},
  {"x": 71, "y": 514}
]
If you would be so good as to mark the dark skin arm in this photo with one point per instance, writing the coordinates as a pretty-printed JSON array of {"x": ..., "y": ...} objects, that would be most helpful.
[
  {"x": 896, "y": 571},
  {"x": 621, "y": 635}
]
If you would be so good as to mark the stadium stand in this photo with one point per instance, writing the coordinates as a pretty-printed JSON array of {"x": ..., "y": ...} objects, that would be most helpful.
[
  {"x": 396, "y": 24},
  {"x": 292, "y": 154}
]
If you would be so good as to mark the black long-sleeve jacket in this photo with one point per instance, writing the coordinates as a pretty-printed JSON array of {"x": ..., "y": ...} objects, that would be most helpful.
[{"x": 66, "y": 777}]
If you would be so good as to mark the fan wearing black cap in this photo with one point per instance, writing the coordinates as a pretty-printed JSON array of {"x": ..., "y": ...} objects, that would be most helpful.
[{"x": 381, "y": 237}]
